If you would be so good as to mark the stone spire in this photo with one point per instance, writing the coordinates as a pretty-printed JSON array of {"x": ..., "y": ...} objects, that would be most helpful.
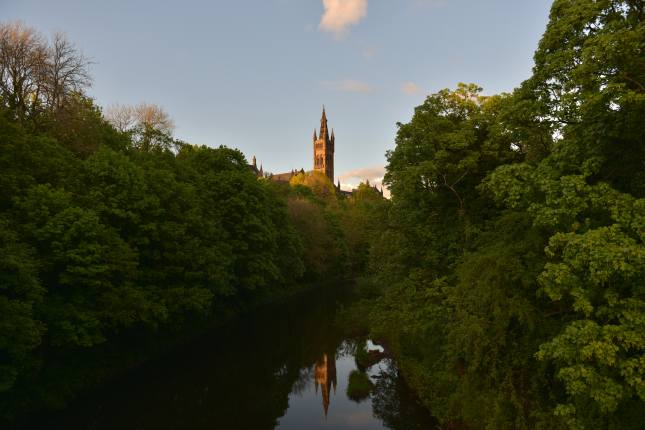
[
  {"x": 254, "y": 162},
  {"x": 323, "y": 125}
]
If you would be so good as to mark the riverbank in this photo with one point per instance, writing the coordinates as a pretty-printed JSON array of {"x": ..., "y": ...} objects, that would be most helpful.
[{"x": 363, "y": 318}]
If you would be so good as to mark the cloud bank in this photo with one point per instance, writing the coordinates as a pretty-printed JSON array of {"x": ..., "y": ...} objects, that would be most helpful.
[
  {"x": 340, "y": 14},
  {"x": 350, "y": 179},
  {"x": 371, "y": 173}
]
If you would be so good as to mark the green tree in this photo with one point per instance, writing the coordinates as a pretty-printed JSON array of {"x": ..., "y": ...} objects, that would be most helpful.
[{"x": 20, "y": 292}]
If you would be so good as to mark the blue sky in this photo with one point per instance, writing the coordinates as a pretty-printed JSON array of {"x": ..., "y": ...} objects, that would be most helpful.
[{"x": 253, "y": 74}]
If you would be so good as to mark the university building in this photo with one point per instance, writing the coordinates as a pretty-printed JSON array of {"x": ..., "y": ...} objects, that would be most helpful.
[{"x": 323, "y": 158}]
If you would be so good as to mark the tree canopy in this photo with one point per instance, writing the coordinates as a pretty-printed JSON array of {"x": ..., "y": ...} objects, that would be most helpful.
[
  {"x": 512, "y": 262},
  {"x": 110, "y": 227}
]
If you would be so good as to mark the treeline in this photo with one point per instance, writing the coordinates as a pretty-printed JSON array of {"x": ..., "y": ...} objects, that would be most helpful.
[
  {"x": 512, "y": 260},
  {"x": 337, "y": 230},
  {"x": 113, "y": 227}
]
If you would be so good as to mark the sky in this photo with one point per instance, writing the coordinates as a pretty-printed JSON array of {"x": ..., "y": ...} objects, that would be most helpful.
[{"x": 254, "y": 74}]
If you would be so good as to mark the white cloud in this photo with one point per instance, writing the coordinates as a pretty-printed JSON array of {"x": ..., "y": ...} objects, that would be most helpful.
[
  {"x": 373, "y": 172},
  {"x": 350, "y": 179},
  {"x": 340, "y": 14},
  {"x": 349, "y": 86},
  {"x": 410, "y": 88}
]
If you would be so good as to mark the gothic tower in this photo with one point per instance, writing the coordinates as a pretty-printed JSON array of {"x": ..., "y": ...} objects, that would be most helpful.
[{"x": 324, "y": 149}]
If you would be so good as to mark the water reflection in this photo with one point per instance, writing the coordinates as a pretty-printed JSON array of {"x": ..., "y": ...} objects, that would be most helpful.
[
  {"x": 325, "y": 377},
  {"x": 285, "y": 367}
]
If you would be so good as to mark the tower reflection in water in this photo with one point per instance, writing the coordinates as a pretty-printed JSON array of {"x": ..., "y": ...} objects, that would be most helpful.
[{"x": 325, "y": 377}]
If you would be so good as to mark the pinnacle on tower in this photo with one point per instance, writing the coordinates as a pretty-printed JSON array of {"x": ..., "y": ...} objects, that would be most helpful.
[
  {"x": 323, "y": 125},
  {"x": 315, "y": 137},
  {"x": 254, "y": 162}
]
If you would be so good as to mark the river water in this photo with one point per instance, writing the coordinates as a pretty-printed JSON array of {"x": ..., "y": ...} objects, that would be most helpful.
[{"x": 286, "y": 366}]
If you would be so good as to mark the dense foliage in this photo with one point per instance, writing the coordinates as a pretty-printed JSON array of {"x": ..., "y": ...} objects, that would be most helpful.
[
  {"x": 109, "y": 228},
  {"x": 125, "y": 238},
  {"x": 513, "y": 261},
  {"x": 508, "y": 268}
]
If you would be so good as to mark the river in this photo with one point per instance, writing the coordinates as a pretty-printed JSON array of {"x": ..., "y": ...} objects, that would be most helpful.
[{"x": 285, "y": 366}]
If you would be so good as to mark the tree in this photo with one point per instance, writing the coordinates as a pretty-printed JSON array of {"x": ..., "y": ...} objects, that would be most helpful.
[
  {"x": 20, "y": 293},
  {"x": 66, "y": 72},
  {"x": 150, "y": 126},
  {"x": 23, "y": 56},
  {"x": 317, "y": 182},
  {"x": 537, "y": 280},
  {"x": 446, "y": 148},
  {"x": 590, "y": 77},
  {"x": 38, "y": 76}
]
